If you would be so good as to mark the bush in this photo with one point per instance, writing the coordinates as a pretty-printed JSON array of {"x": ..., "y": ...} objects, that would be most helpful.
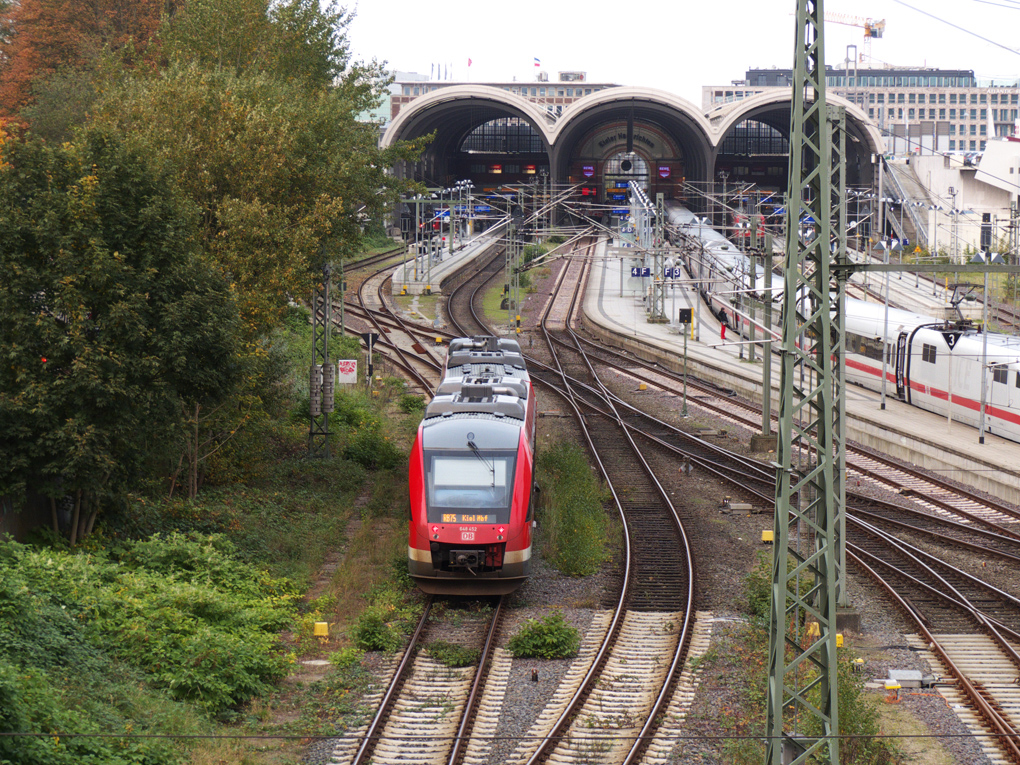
[
  {"x": 373, "y": 633},
  {"x": 411, "y": 404},
  {"x": 31, "y": 701},
  {"x": 451, "y": 654},
  {"x": 201, "y": 625},
  {"x": 371, "y": 448},
  {"x": 758, "y": 586},
  {"x": 346, "y": 658},
  {"x": 548, "y": 638}
]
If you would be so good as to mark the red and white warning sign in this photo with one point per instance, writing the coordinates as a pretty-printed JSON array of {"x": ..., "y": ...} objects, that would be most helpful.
[{"x": 347, "y": 371}]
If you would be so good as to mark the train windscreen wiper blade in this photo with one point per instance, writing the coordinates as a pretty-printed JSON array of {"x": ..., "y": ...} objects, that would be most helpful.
[{"x": 478, "y": 454}]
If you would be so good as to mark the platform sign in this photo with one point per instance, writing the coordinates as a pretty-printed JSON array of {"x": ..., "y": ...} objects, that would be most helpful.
[
  {"x": 639, "y": 271},
  {"x": 620, "y": 211},
  {"x": 483, "y": 208},
  {"x": 347, "y": 371}
]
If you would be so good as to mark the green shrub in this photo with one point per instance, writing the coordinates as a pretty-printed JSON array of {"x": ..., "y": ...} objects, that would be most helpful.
[
  {"x": 532, "y": 251},
  {"x": 201, "y": 625},
  {"x": 373, "y": 633},
  {"x": 411, "y": 404},
  {"x": 451, "y": 654},
  {"x": 758, "y": 586},
  {"x": 32, "y": 701},
  {"x": 575, "y": 525},
  {"x": 548, "y": 638},
  {"x": 371, "y": 448},
  {"x": 346, "y": 658}
]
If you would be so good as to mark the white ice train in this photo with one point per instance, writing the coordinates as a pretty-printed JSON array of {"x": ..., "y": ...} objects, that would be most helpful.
[
  {"x": 719, "y": 267},
  {"x": 936, "y": 365},
  {"x": 933, "y": 364}
]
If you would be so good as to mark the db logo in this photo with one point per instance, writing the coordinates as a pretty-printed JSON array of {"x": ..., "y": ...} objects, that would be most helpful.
[{"x": 467, "y": 536}]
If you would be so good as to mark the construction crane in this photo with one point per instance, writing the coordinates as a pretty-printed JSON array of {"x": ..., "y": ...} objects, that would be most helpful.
[{"x": 872, "y": 29}]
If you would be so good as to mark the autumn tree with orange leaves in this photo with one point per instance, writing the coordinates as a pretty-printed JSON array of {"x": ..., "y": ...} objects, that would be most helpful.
[{"x": 41, "y": 37}]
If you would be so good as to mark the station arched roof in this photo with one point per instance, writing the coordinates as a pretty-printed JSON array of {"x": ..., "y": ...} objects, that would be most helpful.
[
  {"x": 773, "y": 108},
  {"x": 677, "y": 116},
  {"x": 677, "y": 109},
  {"x": 463, "y": 108}
]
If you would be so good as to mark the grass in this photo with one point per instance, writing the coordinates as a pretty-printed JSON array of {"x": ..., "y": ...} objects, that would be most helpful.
[
  {"x": 491, "y": 306},
  {"x": 576, "y": 528},
  {"x": 427, "y": 305}
]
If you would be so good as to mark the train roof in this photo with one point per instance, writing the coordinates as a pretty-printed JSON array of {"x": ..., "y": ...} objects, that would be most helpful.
[
  {"x": 508, "y": 385},
  {"x": 474, "y": 356},
  {"x": 477, "y": 399},
  {"x": 869, "y": 319},
  {"x": 486, "y": 369},
  {"x": 489, "y": 343}
]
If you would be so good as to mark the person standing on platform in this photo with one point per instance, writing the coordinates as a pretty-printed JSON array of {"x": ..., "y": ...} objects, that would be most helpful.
[{"x": 724, "y": 321}]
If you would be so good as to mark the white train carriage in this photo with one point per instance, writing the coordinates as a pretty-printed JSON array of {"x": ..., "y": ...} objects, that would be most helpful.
[
  {"x": 936, "y": 365},
  {"x": 721, "y": 268}
]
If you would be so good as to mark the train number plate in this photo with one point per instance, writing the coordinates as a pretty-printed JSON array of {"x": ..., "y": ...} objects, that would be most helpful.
[{"x": 467, "y": 536}]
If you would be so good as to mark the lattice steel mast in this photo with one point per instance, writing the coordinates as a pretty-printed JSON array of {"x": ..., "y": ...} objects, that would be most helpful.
[
  {"x": 321, "y": 378},
  {"x": 802, "y": 702}
]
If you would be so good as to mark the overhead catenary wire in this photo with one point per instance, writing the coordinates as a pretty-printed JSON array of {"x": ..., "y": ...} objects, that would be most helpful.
[{"x": 957, "y": 26}]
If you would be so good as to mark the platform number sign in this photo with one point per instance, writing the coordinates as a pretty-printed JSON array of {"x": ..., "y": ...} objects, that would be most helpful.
[{"x": 639, "y": 271}]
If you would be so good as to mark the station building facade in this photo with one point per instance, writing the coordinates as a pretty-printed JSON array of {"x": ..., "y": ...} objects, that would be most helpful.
[
  {"x": 918, "y": 110},
  {"x": 599, "y": 141}
]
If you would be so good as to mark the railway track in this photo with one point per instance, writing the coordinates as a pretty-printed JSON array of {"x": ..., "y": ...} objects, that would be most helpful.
[
  {"x": 983, "y": 525},
  {"x": 969, "y": 613},
  {"x": 427, "y": 709},
  {"x": 610, "y": 704}
]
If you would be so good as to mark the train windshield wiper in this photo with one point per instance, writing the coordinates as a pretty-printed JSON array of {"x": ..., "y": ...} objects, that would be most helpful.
[{"x": 478, "y": 454}]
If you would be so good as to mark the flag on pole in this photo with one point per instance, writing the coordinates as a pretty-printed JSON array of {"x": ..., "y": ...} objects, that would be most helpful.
[
  {"x": 538, "y": 61},
  {"x": 469, "y": 62}
]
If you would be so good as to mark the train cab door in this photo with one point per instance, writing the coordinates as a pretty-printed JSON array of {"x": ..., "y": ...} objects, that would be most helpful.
[{"x": 901, "y": 366}]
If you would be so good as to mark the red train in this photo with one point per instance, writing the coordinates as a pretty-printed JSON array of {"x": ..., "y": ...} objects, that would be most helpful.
[{"x": 472, "y": 474}]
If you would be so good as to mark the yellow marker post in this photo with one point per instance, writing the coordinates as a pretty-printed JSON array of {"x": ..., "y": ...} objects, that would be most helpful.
[{"x": 768, "y": 536}]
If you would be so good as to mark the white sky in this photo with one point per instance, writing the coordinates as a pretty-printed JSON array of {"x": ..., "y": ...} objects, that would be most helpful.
[{"x": 677, "y": 46}]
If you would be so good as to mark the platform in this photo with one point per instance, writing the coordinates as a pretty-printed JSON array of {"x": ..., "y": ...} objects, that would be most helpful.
[
  {"x": 615, "y": 310},
  {"x": 417, "y": 276}
]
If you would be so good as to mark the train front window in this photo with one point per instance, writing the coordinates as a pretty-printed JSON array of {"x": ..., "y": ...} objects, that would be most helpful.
[{"x": 471, "y": 487}]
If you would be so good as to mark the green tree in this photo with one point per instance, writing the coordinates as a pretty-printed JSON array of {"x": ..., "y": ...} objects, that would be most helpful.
[
  {"x": 109, "y": 319},
  {"x": 284, "y": 175}
]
